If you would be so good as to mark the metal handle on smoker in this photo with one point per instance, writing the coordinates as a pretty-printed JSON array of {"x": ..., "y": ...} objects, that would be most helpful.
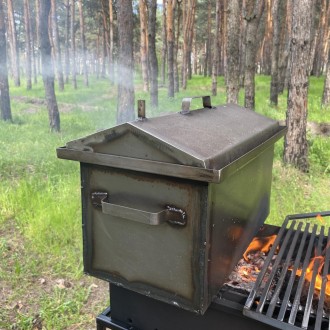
[
  {"x": 170, "y": 214},
  {"x": 185, "y": 106}
]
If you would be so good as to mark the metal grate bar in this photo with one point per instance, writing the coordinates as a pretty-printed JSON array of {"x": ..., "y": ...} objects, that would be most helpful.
[
  {"x": 274, "y": 268},
  {"x": 296, "y": 301},
  {"x": 293, "y": 275},
  {"x": 279, "y": 282},
  {"x": 253, "y": 293},
  {"x": 311, "y": 288},
  {"x": 286, "y": 265},
  {"x": 319, "y": 314}
]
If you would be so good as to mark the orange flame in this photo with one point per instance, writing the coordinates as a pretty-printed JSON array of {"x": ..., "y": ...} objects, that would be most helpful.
[
  {"x": 262, "y": 244},
  {"x": 318, "y": 280},
  {"x": 319, "y": 217}
]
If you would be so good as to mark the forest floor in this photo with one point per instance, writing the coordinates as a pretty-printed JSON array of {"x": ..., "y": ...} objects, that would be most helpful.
[{"x": 34, "y": 296}]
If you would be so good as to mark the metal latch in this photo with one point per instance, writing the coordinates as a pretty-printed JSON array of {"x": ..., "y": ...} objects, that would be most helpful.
[{"x": 185, "y": 106}]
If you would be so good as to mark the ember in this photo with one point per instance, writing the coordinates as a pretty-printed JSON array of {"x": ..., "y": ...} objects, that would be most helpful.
[{"x": 262, "y": 244}]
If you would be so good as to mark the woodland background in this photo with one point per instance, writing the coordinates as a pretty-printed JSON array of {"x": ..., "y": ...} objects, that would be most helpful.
[{"x": 69, "y": 68}]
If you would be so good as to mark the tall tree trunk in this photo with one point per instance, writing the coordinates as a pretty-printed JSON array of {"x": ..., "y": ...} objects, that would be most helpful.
[
  {"x": 104, "y": 50},
  {"x": 33, "y": 32},
  {"x": 105, "y": 38},
  {"x": 83, "y": 41},
  {"x": 176, "y": 14},
  {"x": 232, "y": 76},
  {"x": 164, "y": 45},
  {"x": 242, "y": 46},
  {"x": 144, "y": 44},
  {"x": 216, "y": 48},
  {"x": 318, "y": 20},
  {"x": 38, "y": 56},
  {"x": 73, "y": 45},
  {"x": 13, "y": 43},
  {"x": 295, "y": 146},
  {"x": 284, "y": 69},
  {"x": 208, "y": 52},
  {"x": 125, "y": 107},
  {"x": 111, "y": 43},
  {"x": 47, "y": 66},
  {"x": 97, "y": 57},
  {"x": 254, "y": 10},
  {"x": 265, "y": 63},
  {"x": 57, "y": 47},
  {"x": 67, "y": 42},
  {"x": 27, "y": 45},
  {"x": 170, "y": 45},
  {"x": 188, "y": 25},
  {"x": 275, "y": 53},
  {"x": 223, "y": 39},
  {"x": 152, "y": 11},
  {"x": 326, "y": 89},
  {"x": 5, "y": 109}
]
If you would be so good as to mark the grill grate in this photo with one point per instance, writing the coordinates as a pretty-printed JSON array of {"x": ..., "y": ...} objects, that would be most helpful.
[{"x": 285, "y": 294}]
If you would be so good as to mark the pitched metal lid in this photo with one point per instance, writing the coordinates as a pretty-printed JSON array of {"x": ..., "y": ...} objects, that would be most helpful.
[{"x": 209, "y": 138}]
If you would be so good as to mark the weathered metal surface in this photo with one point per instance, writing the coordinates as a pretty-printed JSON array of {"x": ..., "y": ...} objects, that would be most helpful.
[
  {"x": 169, "y": 169},
  {"x": 166, "y": 260},
  {"x": 205, "y": 138}
]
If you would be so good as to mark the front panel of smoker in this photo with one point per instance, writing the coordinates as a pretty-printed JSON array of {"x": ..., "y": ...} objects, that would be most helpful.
[{"x": 164, "y": 261}]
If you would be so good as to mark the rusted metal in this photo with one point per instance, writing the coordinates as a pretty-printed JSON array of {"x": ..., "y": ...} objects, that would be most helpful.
[{"x": 141, "y": 109}]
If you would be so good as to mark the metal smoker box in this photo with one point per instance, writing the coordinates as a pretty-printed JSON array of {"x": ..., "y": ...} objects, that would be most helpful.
[{"x": 169, "y": 204}]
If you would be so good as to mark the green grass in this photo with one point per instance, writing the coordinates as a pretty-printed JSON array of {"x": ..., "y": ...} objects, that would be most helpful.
[{"x": 40, "y": 215}]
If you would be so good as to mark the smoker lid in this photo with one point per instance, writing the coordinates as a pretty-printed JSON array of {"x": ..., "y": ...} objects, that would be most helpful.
[{"x": 208, "y": 138}]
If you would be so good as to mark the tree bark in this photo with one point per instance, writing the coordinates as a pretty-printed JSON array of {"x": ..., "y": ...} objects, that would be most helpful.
[
  {"x": 242, "y": 46},
  {"x": 265, "y": 56},
  {"x": 57, "y": 48},
  {"x": 38, "y": 57},
  {"x": 275, "y": 53},
  {"x": 47, "y": 66},
  {"x": 125, "y": 107},
  {"x": 144, "y": 44},
  {"x": 164, "y": 45},
  {"x": 105, "y": 39},
  {"x": 170, "y": 45},
  {"x": 295, "y": 146},
  {"x": 176, "y": 14},
  {"x": 216, "y": 48},
  {"x": 67, "y": 42},
  {"x": 153, "y": 63},
  {"x": 73, "y": 45},
  {"x": 13, "y": 43},
  {"x": 5, "y": 109},
  {"x": 28, "y": 59},
  {"x": 187, "y": 40},
  {"x": 208, "y": 52},
  {"x": 326, "y": 89},
  {"x": 284, "y": 69},
  {"x": 254, "y": 10},
  {"x": 33, "y": 33},
  {"x": 232, "y": 73},
  {"x": 83, "y": 41},
  {"x": 111, "y": 47}
]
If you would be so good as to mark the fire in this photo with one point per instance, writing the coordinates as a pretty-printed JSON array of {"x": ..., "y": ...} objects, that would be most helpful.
[
  {"x": 318, "y": 280},
  {"x": 319, "y": 217},
  {"x": 262, "y": 244}
]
